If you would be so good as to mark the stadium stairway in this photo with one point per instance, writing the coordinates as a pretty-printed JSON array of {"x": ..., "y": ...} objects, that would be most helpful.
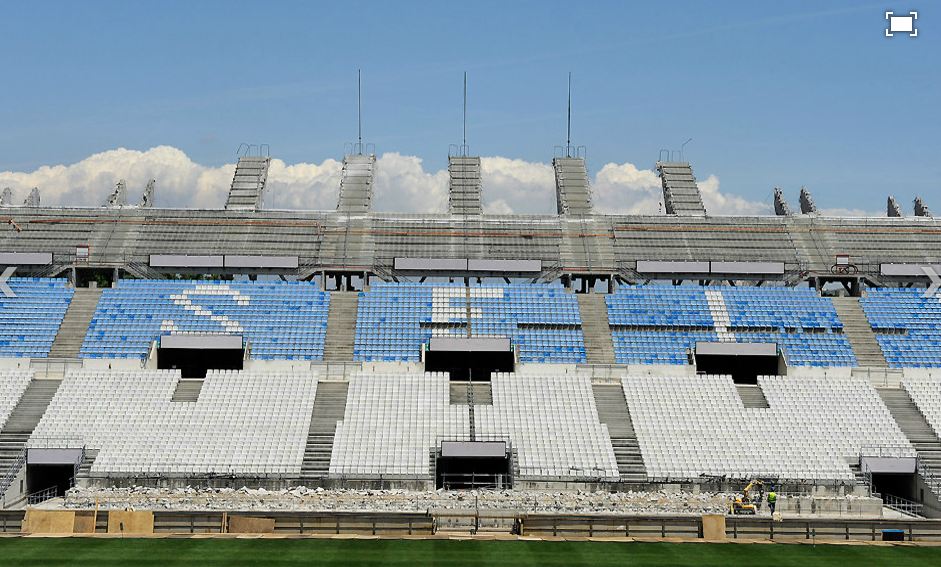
[
  {"x": 341, "y": 326},
  {"x": 613, "y": 412},
  {"x": 599, "y": 347},
  {"x": 22, "y": 422},
  {"x": 329, "y": 407},
  {"x": 857, "y": 329},
  {"x": 71, "y": 335},
  {"x": 187, "y": 390},
  {"x": 752, "y": 396},
  {"x": 919, "y": 433},
  {"x": 463, "y": 392}
]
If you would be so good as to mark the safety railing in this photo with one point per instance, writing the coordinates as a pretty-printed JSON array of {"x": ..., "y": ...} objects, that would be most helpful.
[
  {"x": 12, "y": 473},
  {"x": 901, "y": 505}
]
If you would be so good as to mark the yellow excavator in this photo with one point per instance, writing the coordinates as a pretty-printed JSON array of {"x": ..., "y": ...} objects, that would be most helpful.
[{"x": 744, "y": 504}]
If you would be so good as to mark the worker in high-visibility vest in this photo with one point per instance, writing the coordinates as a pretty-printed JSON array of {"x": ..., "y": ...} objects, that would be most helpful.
[{"x": 772, "y": 500}]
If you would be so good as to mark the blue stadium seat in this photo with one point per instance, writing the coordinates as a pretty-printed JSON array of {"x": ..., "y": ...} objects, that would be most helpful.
[
  {"x": 658, "y": 324},
  {"x": 30, "y": 320},
  {"x": 281, "y": 320},
  {"x": 907, "y": 325},
  {"x": 541, "y": 320}
]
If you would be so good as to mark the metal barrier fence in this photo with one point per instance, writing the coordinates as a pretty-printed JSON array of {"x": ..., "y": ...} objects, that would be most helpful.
[{"x": 537, "y": 525}]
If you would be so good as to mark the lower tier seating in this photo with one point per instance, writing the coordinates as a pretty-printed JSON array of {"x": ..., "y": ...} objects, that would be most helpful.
[
  {"x": 392, "y": 423},
  {"x": 690, "y": 427},
  {"x": 926, "y": 393},
  {"x": 553, "y": 425},
  {"x": 12, "y": 385},
  {"x": 243, "y": 424}
]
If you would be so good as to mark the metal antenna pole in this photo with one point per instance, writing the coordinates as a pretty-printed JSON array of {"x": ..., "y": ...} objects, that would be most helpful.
[
  {"x": 465, "y": 109},
  {"x": 359, "y": 108},
  {"x": 568, "y": 132}
]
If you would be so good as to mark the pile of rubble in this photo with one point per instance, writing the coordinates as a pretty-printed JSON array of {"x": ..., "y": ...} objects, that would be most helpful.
[{"x": 322, "y": 500}]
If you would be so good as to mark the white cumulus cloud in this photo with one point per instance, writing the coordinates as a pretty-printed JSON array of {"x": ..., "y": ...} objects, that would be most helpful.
[{"x": 403, "y": 184}]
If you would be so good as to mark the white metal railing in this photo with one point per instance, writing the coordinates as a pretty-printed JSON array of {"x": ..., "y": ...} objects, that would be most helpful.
[{"x": 901, "y": 505}]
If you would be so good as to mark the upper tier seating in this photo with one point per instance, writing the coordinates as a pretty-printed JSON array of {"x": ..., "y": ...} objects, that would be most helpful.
[
  {"x": 541, "y": 320},
  {"x": 907, "y": 325},
  {"x": 926, "y": 393},
  {"x": 658, "y": 324},
  {"x": 392, "y": 422},
  {"x": 692, "y": 426},
  {"x": 30, "y": 320},
  {"x": 552, "y": 422},
  {"x": 281, "y": 320},
  {"x": 243, "y": 424},
  {"x": 12, "y": 385}
]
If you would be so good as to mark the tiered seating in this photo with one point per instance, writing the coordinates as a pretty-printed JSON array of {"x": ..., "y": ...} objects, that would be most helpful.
[
  {"x": 12, "y": 385},
  {"x": 552, "y": 422},
  {"x": 281, "y": 320},
  {"x": 657, "y": 324},
  {"x": 389, "y": 323},
  {"x": 391, "y": 424},
  {"x": 542, "y": 321},
  {"x": 804, "y": 324},
  {"x": 30, "y": 320},
  {"x": 926, "y": 393},
  {"x": 243, "y": 424},
  {"x": 907, "y": 325},
  {"x": 693, "y": 426}
]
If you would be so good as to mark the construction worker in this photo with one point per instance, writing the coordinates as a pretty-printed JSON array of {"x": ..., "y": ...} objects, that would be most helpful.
[{"x": 772, "y": 499}]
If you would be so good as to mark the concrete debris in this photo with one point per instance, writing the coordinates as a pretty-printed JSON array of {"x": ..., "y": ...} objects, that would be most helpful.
[{"x": 302, "y": 498}]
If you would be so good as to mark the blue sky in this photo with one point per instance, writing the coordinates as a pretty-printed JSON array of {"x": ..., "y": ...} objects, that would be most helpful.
[{"x": 772, "y": 93}]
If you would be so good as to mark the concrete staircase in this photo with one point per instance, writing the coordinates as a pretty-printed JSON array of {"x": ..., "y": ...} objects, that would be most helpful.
[
  {"x": 752, "y": 396},
  {"x": 613, "y": 412},
  {"x": 857, "y": 329},
  {"x": 599, "y": 347},
  {"x": 84, "y": 468},
  {"x": 187, "y": 390},
  {"x": 462, "y": 392},
  {"x": 341, "y": 326},
  {"x": 71, "y": 335},
  {"x": 22, "y": 421},
  {"x": 329, "y": 407},
  {"x": 919, "y": 433}
]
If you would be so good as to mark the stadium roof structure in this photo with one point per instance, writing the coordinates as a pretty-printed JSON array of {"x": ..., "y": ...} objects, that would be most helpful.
[{"x": 685, "y": 243}]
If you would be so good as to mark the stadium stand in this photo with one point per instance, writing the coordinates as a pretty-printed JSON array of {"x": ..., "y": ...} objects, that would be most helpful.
[
  {"x": 13, "y": 384},
  {"x": 658, "y": 324},
  {"x": 243, "y": 424},
  {"x": 907, "y": 325},
  {"x": 915, "y": 409},
  {"x": 542, "y": 320},
  {"x": 696, "y": 426},
  {"x": 30, "y": 319},
  {"x": 553, "y": 424},
  {"x": 926, "y": 393},
  {"x": 391, "y": 424},
  {"x": 280, "y": 320}
]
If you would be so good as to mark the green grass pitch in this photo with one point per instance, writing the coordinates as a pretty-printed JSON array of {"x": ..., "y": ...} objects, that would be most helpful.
[{"x": 415, "y": 553}]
